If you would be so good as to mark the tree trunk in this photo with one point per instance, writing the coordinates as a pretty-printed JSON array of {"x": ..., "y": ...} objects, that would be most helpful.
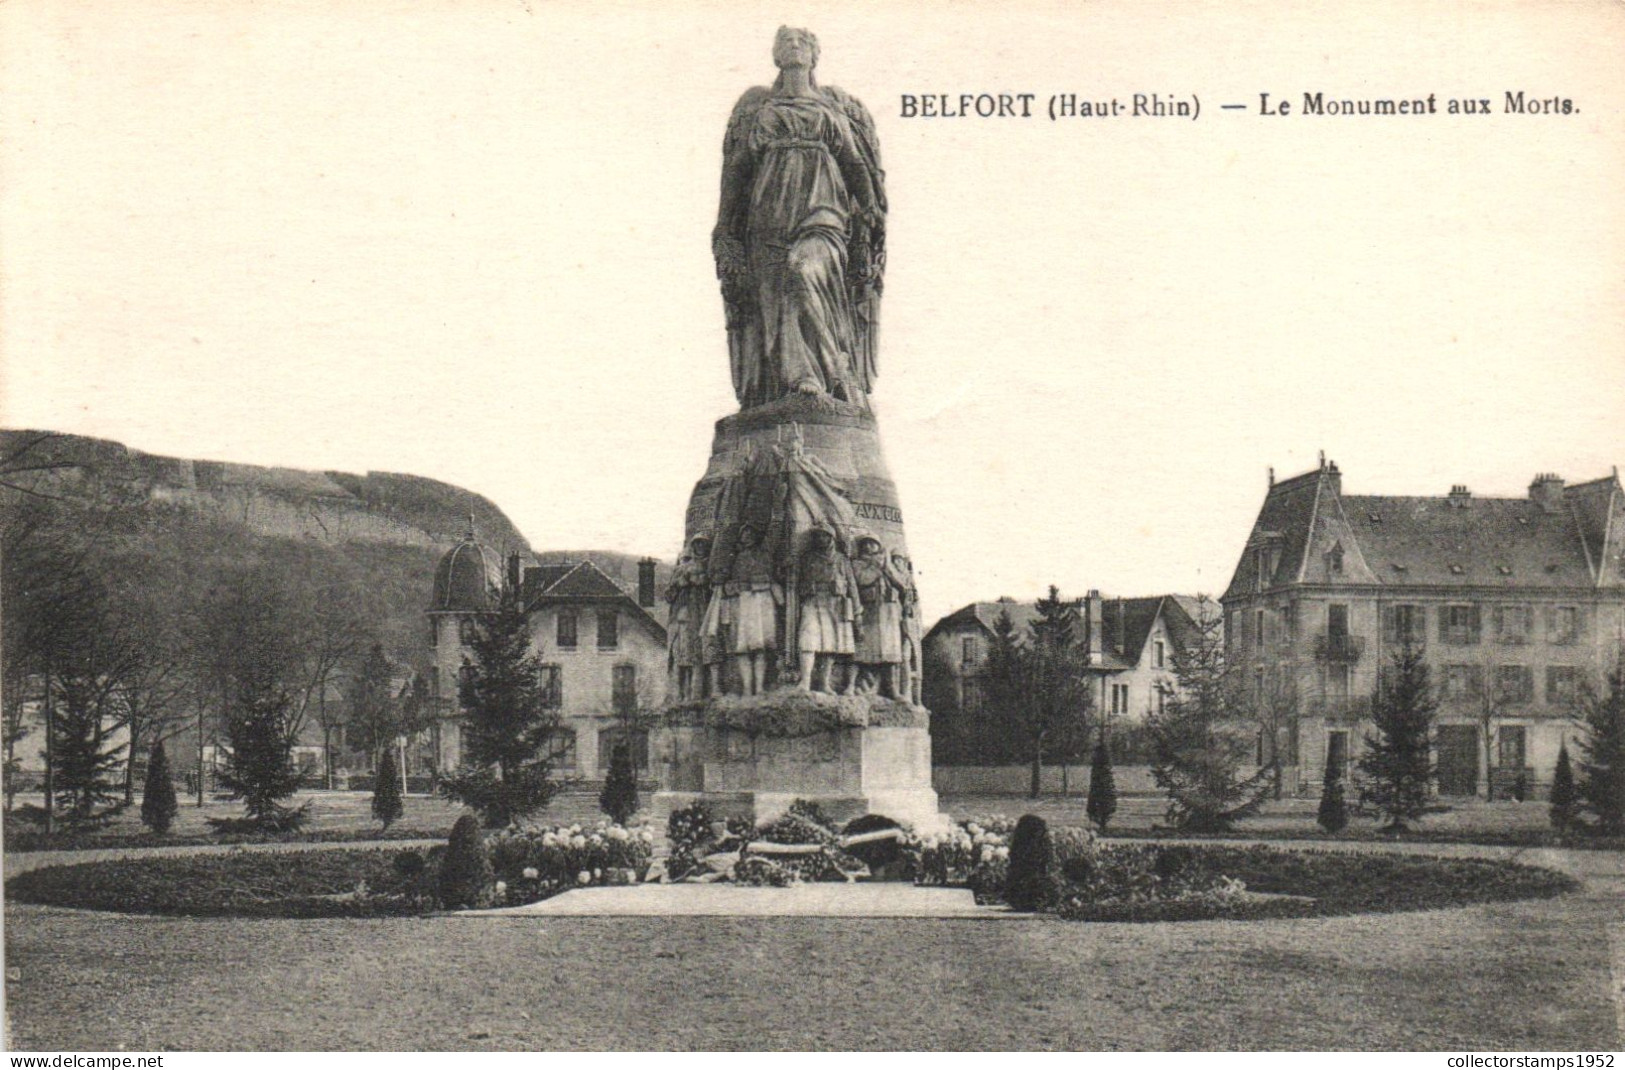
[
  {"x": 50, "y": 756},
  {"x": 1038, "y": 768}
]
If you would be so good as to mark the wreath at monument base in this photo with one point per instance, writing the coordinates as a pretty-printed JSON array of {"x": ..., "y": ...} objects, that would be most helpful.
[{"x": 793, "y": 713}]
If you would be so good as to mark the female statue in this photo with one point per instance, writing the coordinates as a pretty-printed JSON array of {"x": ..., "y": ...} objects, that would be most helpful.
[{"x": 799, "y": 240}]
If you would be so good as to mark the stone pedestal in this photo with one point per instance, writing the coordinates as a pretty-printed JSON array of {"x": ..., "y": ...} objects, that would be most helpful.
[{"x": 754, "y": 756}]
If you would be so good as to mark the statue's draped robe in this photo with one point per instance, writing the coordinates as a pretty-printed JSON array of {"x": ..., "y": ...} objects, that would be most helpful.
[{"x": 792, "y": 325}]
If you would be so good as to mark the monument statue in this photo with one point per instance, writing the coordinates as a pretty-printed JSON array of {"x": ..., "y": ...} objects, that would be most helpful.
[
  {"x": 753, "y": 597},
  {"x": 800, "y": 236},
  {"x": 687, "y": 598},
  {"x": 794, "y": 618},
  {"x": 879, "y": 650}
]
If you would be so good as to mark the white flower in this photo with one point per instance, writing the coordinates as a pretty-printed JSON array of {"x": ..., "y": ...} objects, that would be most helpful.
[
  {"x": 973, "y": 828},
  {"x": 550, "y": 840},
  {"x": 575, "y": 830},
  {"x": 648, "y": 836},
  {"x": 617, "y": 833},
  {"x": 583, "y": 877},
  {"x": 530, "y": 873},
  {"x": 502, "y": 888},
  {"x": 598, "y": 873},
  {"x": 578, "y": 841}
]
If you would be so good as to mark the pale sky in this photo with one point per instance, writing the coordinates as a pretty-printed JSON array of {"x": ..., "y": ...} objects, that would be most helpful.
[{"x": 470, "y": 240}]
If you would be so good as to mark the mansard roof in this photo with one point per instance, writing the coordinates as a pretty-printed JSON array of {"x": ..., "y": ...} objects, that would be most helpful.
[{"x": 1454, "y": 540}]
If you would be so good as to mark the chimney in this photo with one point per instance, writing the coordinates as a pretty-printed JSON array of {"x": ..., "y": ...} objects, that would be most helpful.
[
  {"x": 1334, "y": 478},
  {"x": 646, "y": 582},
  {"x": 1122, "y": 629},
  {"x": 1093, "y": 607},
  {"x": 1459, "y": 496},
  {"x": 513, "y": 571},
  {"x": 1547, "y": 492}
]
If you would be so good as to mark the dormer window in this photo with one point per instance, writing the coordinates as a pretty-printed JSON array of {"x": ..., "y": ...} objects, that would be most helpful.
[{"x": 1334, "y": 559}]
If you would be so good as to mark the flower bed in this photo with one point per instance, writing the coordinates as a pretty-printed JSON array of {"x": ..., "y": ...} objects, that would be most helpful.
[
  {"x": 532, "y": 864},
  {"x": 285, "y": 884}
]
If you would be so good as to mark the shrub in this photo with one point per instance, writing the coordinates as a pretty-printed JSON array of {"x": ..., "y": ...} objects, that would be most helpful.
[
  {"x": 1601, "y": 785},
  {"x": 690, "y": 833},
  {"x": 465, "y": 871},
  {"x": 386, "y": 793},
  {"x": 1031, "y": 883},
  {"x": 619, "y": 799},
  {"x": 1102, "y": 787},
  {"x": 1333, "y": 815},
  {"x": 158, "y": 805},
  {"x": 501, "y": 800},
  {"x": 1565, "y": 800}
]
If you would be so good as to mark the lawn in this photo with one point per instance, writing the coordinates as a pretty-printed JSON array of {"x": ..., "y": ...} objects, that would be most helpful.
[{"x": 1529, "y": 976}]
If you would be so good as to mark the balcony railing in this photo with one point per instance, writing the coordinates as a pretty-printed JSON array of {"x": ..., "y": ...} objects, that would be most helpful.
[{"x": 1338, "y": 649}]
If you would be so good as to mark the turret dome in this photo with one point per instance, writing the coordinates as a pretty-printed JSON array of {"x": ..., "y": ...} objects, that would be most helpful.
[{"x": 464, "y": 577}]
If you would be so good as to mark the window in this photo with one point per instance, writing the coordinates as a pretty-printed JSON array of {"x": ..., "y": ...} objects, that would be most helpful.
[
  {"x": 465, "y": 630},
  {"x": 1289, "y": 625},
  {"x": 1510, "y": 740},
  {"x": 552, "y": 686},
  {"x": 1462, "y": 682},
  {"x": 567, "y": 629},
  {"x": 1513, "y": 624},
  {"x": 971, "y": 702},
  {"x": 561, "y": 747},
  {"x": 1459, "y": 625},
  {"x": 1260, "y": 634},
  {"x": 624, "y": 688},
  {"x": 1334, "y": 560},
  {"x": 1562, "y": 624},
  {"x": 1119, "y": 698},
  {"x": 609, "y": 629},
  {"x": 1159, "y": 654},
  {"x": 1337, "y": 682},
  {"x": 1562, "y": 684},
  {"x": 1404, "y": 624},
  {"x": 1337, "y": 622},
  {"x": 1258, "y": 685},
  {"x": 1337, "y": 750},
  {"x": 1162, "y": 698},
  {"x": 434, "y": 632},
  {"x": 967, "y": 652},
  {"x": 1514, "y": 684},
  {"x": 610, "y": 738},
  {"x": 434, "y": 681}
]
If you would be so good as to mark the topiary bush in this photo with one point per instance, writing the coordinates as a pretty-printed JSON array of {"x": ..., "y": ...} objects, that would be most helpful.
[
  {"x": 387, "y": 807},
  {"x": 158, "y": 805},
  {"x": 619, "y": 799},
  {"x": 1565, "y": 800},
  {"x": 1031, "y": 883},
  {"x": 1102, "y": 786},
  {"x": 1333, "y": 815},
  {"x": 465, "y": 869}
]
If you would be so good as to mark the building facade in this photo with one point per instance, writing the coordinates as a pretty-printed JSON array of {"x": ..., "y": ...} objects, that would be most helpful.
[
  {"x": 1518, "y": 603},
  {"x": 1131, "y": 642},
  {"x": 602, "y": 649}
]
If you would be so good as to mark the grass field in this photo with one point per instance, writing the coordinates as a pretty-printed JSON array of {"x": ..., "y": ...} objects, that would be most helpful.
[{"x": 1529, "y": 976}]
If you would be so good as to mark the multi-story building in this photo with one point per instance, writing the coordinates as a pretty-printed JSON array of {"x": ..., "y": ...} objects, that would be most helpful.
[
  {"x": 602, "y": 649},
  {"x": 1518, "y": 603},
  {"x": 1131, "y": 644}
]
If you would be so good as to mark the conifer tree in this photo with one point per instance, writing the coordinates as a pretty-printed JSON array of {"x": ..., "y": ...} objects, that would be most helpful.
[
  {"x": 1397, "y": 767},
  {"x": 387, "y": 807},
  {"x": 1102, "y": 786},
  {"x": 1565, "y": 800},
  {"x": 1203, "y": 739},
  {"x": 158, "y": 805},
  {"x": 1334, "y": 808},
  {"x": 619, "y": 799},
  {"x": 1602, "y": 753},
  {"x": 508, "y": 721}
]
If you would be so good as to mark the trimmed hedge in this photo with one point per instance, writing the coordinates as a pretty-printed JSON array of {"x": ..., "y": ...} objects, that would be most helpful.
[{"x": 283, "y": 884}]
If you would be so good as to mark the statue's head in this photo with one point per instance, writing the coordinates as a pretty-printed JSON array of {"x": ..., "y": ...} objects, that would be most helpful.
[
  {"x": 748, "y": 535},
  {"x": 901, "y": 563},
  {"x": 702, "y": 547},
  {"x": 793, "y": 47},
  {"x": 869, "y": 546},
  {"x": 821, "y": 539}
]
